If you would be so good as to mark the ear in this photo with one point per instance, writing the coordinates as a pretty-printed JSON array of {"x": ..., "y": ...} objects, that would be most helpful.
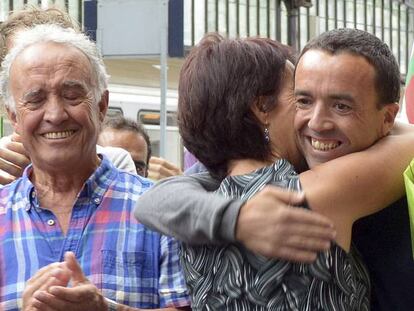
[
  {"x": 13, "y": 119},
  {"x": 390, "y": 113},
  {"x": 103, "y": 105},
  {"x": 259, "y": 111}
]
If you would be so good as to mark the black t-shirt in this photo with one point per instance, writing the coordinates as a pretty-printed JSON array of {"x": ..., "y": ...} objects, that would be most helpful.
[{"x": 383, "y": 239}]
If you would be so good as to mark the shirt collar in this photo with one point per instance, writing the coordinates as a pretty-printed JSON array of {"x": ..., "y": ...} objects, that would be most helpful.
[{"x": 93, "y": 189}]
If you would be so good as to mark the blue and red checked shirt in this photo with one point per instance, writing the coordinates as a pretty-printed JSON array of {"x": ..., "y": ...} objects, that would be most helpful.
[{"x": 127, "y": 262}]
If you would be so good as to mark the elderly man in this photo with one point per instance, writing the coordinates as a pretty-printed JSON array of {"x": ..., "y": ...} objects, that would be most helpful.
[
  {"x": 13, "y": 157},
  {"x": 71, "y": 205},
  {"x": 343, "y": 82}
]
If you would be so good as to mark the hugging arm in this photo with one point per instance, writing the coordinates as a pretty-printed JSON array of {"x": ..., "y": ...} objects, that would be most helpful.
[
  {"x": 267, "y": 224},
  {"x": 363, "y": 182},
  {"x": 353, "y": 186},
  {"x": 182, "y": 207}
]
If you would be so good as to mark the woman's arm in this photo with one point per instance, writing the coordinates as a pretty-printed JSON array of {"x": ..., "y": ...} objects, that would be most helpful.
[{"x": 361, "y": 183}]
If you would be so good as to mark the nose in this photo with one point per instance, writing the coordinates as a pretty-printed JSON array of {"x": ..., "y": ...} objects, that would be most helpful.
[
  {"x": 320, "y": 119},
  {"x": 55, "y": 111}
]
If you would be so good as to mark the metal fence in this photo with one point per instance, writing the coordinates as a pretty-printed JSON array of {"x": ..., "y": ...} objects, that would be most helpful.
[{"x": 390, "y": 20}]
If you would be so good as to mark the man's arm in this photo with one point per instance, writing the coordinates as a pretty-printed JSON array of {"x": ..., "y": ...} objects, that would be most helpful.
[
  {"x": 267, "y": 224},
  {"x": 181, "y": 207}
]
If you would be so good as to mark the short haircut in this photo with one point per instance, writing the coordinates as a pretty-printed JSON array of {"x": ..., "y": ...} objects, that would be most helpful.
[
  {"x": 53, "y": 33},
  {"x": 376, "y": 52},
  {"x": 220, "y": 80},
  {"x": 124, "y": 124},
  {"x": 31, "y": 16}
]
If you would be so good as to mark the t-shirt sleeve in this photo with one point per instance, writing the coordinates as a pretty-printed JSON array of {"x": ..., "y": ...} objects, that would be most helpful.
[{"x": 119, "y": 157}]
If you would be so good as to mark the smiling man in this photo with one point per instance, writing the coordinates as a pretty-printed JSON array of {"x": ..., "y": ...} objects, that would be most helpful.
[
  {"x": 347, "y": 99},
  {"x": 67, "y": 238},
  {"x": 13, "y": 157},
  {"x": 340, "y": 110}
]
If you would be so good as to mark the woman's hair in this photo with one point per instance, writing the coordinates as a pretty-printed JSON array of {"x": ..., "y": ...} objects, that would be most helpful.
[{"x": 219, "y": 82}]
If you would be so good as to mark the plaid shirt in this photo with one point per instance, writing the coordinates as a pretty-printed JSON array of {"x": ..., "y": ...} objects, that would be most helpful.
[{"x": 127, "y": 262}]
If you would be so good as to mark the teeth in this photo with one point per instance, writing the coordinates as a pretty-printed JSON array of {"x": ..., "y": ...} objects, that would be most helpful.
[
  {"x": 58, "y": 135},
  {"x": 324, "y": 146}
]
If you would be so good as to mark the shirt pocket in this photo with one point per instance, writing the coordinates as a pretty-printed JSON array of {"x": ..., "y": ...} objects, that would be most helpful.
[{"x": 130, "y": 278}]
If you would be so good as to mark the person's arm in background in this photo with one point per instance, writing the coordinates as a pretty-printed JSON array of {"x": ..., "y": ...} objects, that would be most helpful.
[
  {"x": 160, "y": 168},
  {"x": 13, "y": 159},
  {"x": 182, "y": 208}
]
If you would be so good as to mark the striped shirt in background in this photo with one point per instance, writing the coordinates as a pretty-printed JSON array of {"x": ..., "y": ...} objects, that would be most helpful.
[{"x": 127, "y": 262}]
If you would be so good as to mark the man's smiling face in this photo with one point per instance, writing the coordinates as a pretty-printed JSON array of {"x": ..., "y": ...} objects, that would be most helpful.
[{"x": 337, "y": 105}]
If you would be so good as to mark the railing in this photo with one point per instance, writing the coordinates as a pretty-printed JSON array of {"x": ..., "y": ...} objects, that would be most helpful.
[{"x": 390, "y": 20}]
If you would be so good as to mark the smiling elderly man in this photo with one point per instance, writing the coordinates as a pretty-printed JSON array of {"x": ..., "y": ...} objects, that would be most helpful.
[{"x": 70, "y": 205}]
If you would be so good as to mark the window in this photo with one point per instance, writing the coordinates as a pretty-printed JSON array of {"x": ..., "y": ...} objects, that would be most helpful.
[
  {"x": 152, "y": 117},
  {"x": 114, "y": 112}
]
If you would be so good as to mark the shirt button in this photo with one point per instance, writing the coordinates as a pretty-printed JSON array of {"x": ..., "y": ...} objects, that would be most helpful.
[
  {"x": 97, "y": 200},
  {"x": 50, "y": 222}
]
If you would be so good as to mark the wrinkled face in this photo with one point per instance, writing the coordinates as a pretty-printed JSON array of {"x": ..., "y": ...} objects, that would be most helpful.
[
  {"x": 132, "y": 142},
  {"x": 281, "y": 130},
  {"x": 55, "y": 114},
  {"x": 337, "y": 111}
]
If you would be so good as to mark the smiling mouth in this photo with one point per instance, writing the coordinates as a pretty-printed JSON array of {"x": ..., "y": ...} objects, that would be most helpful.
[
  {"x": 58, "y": 135},
  {"x": 324, "y": 145}
]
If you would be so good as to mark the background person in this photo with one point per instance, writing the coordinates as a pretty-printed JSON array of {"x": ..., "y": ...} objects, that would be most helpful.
[{"x": 131, "y": 136}]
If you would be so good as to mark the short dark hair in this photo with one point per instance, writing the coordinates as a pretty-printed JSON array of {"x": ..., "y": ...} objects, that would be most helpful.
[
  {"x": 125, "y": 124},
  {"x": 219, "y": 82},
  {"x": 376, "y": 52},
  {"x": 29, "y": 17}
]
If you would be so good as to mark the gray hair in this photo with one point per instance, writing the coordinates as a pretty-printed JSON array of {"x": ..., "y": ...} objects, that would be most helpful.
[{"x": 53, "y": 33}]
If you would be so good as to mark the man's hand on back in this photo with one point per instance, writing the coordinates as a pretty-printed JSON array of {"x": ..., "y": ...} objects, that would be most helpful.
[{"x": 271, "y": 225}]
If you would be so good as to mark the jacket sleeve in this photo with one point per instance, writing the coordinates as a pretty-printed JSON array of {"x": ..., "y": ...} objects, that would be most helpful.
[{"x": 184, "y": 207}]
